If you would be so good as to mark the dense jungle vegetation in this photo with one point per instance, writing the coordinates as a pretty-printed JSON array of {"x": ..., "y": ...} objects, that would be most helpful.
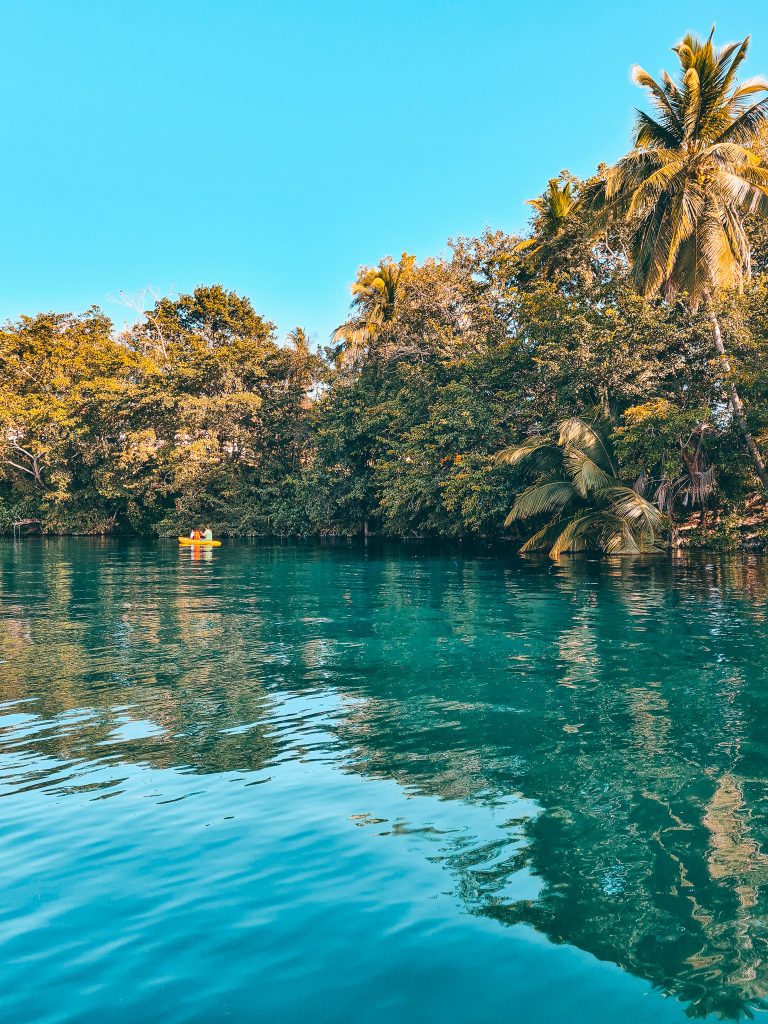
[{"x": 593, "y": 385}]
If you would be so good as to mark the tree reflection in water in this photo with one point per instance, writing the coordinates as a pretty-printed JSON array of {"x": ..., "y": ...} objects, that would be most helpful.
[{"x": 626, "y": 700}]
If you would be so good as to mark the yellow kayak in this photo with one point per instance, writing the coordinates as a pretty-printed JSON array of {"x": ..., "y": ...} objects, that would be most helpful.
[{"x": 200, "y": 543}]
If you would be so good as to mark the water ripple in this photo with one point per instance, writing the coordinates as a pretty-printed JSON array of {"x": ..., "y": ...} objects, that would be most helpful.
[{"x": 303, "y": 781}]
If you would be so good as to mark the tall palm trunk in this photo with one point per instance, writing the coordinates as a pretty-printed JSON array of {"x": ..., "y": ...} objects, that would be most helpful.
[{"x": 734, "y": 400}]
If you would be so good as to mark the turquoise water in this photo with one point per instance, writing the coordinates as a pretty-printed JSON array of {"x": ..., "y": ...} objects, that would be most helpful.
[{"x": 328, "y": 783}]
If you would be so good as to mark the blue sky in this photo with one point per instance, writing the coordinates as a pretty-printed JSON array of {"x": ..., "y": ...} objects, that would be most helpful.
[{"x": 275, "y": 147}]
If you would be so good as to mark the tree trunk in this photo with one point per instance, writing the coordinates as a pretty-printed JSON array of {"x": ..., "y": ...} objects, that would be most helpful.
[{"x": 734, "y": 400}]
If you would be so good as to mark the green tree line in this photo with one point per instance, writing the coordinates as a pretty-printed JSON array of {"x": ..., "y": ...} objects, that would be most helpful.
[{"x": 593, "y": 385}]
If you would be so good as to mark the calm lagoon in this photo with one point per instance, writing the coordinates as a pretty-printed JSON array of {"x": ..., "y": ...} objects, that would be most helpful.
[{"x": 291, "y": 783}]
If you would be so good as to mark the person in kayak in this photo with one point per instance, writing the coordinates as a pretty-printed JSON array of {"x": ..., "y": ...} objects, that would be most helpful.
[
  {"x": 195, "y": 535},
  {"x": 207, "y": 533}
]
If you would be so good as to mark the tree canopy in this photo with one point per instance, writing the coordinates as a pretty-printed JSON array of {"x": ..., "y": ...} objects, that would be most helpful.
[{"x": 636, "y": 303}]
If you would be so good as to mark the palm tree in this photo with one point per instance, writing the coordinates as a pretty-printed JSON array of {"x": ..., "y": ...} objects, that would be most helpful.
[
  {"x": 553, "y": 211},
  {"x": 304, "y": 358},
  {"x": 694, "y": 174},
  {"x": 579, "y": 493},
  {"x": 374, "y": 301},
  {"x": 299, "y": 341}
]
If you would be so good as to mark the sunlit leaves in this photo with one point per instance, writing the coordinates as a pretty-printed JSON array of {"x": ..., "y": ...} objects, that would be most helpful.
[{"x": 694, "y": 173}]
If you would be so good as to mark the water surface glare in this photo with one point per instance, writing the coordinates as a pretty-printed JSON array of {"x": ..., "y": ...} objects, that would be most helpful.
[{"x": 290, "y": 783}]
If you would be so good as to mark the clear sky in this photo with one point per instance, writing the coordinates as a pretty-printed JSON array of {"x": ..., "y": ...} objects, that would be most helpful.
[{"x": 276, "y": 146}]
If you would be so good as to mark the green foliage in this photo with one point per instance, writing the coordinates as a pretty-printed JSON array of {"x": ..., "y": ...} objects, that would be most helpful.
[
  {"x": 694, "y": 174},
  {"x": 578, "y": 502},
  {"x": 669, "y": 450},
  {"x": 182, "y": 420},
  {"x": 612, "y": 310}
]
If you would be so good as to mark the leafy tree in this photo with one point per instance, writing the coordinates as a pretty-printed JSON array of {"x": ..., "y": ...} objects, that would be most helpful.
[
  {"x": 60, "y": 391},
  {"x": 613, "y": 304},
  {"x": 434, "y": 477},
  {"x": 667, "y": 448}
]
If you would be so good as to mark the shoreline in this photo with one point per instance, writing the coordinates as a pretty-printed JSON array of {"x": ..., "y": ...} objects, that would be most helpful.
[{"x": 689, "y": 543}]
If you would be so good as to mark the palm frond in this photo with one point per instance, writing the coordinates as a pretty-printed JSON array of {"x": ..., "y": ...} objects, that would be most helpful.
[
  {"x": 653, "y": 134},
  {"x": 745, "y": 128},
  {"x": 586, "y": 505},
  {"x": 541, "y": 498},
  {"x": 532, "y": 448},
  {"x": 692, "y": 86},
  {"x": 586, "y": 474},
  {"x": 577, "y": 433},
  {"x": 616, "y": 539},
  {"x": 670, "y": 120},
  {"x": 576, "y": 535},
  {"x": 632, "y": 508},
  {"x": 696, "y": 171},
  {"x": 544, "y": 538},
  {"x": 750, "y": 87},
  {"x": 732, "y": 66}
]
